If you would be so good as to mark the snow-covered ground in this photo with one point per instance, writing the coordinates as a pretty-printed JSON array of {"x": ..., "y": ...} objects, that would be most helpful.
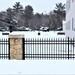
[
  {"x": 37, "y": 67},
  {"x": 34, "y": 34}
]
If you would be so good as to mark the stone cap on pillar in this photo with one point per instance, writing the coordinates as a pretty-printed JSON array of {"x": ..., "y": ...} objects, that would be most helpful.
[{"x": 16, "y": 36}]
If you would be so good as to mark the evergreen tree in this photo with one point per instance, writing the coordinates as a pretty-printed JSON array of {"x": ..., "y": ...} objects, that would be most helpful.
[
  {"x": 17, "y": 7},
  {"x": 28, "y": 13},
  {"x": 60, "y": 11}
]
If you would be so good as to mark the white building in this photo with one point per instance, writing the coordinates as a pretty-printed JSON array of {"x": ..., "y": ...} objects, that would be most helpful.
[
  {"x": 70, "y": 18},
  {"x": 64, "y": 23}
]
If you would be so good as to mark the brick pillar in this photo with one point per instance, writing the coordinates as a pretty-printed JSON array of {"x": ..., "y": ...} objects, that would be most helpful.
[{"x": 16, "y": 48}]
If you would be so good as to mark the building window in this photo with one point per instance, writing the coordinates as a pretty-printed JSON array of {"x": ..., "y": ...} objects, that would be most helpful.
[
  {"x": 73, "y": 27},
  {"x": 72, "y": 23},
  {"x": 68, "y": 5},
  {"x": 68, "y": 25}
]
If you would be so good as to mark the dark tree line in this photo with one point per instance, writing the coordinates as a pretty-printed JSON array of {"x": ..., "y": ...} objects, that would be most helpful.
[{"x": 26, "y": 17}]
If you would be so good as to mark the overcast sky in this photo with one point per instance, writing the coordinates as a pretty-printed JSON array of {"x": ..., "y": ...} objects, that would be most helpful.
[{"x": 40, "y": 6}]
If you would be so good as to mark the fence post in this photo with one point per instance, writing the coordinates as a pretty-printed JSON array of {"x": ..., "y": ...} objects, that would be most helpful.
[
  {"x": 9, "y": 48},
  {"x": 23, "y": 47},
  {"x": 68, "y": 47},
  {"x": 16, "y": 47}
]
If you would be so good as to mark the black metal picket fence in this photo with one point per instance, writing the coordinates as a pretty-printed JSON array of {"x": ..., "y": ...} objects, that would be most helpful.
[
  {"x": 49, "y": 48},
  {"x": 4, "y": 49},
  {"x": 42, "y": 48}
]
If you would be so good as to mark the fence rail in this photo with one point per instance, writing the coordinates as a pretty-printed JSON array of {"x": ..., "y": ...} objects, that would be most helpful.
[{"x": 4, "y": 48}]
